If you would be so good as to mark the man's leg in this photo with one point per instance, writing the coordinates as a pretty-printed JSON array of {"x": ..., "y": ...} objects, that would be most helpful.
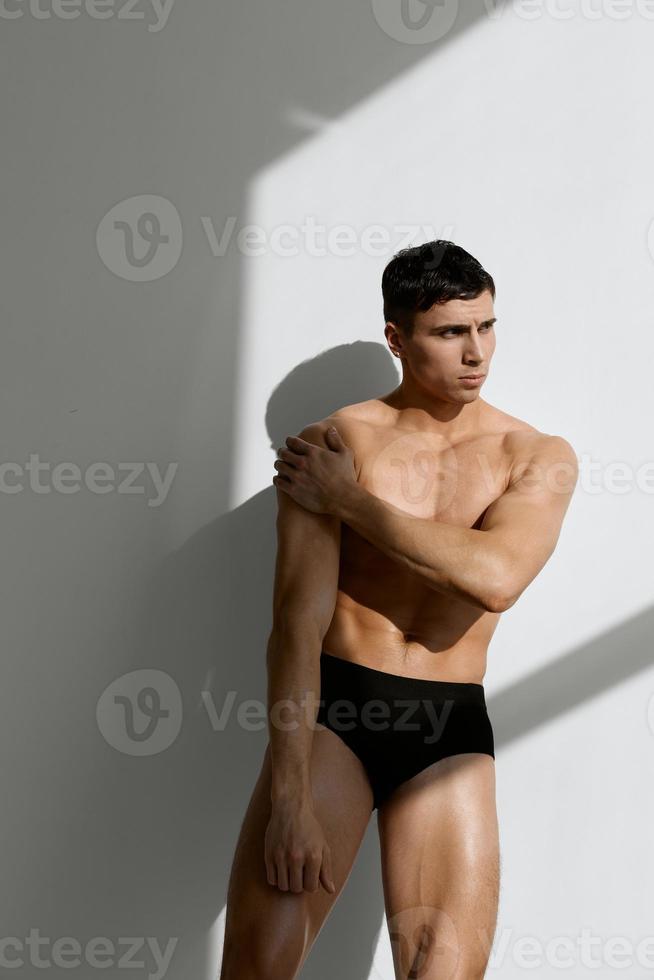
[
  {"x": 268, "y": 932},
  {"x": 440, "y": 868}
]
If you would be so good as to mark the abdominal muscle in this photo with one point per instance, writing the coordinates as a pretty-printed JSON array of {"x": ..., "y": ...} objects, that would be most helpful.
[{"x": 390, "y": 620}]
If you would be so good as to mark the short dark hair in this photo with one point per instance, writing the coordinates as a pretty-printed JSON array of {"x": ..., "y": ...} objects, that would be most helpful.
[{"x": 435, "y": 272}]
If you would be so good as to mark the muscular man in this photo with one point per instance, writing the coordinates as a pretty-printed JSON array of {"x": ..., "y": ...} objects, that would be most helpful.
[{"x": 406, "y": 525}]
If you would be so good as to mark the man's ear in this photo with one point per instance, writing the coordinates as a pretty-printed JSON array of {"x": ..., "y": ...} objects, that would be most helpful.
[{"x": 394, "y": 338}]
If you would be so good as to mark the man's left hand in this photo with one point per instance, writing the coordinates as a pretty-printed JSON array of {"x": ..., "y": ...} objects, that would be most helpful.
[{"x": 314, "y": 477}]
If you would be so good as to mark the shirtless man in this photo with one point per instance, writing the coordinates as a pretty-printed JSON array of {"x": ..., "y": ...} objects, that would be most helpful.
[{"x": 402, "y": 537}]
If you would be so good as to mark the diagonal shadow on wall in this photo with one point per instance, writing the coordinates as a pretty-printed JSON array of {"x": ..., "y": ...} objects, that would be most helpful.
[{"x": 565, "y": 683}]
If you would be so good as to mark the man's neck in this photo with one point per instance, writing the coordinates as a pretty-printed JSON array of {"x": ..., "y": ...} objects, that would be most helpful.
[{"x": 452, "y": 420}]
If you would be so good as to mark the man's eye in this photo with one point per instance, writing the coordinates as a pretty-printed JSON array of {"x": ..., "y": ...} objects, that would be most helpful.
[{"x": 454, "y": 330}]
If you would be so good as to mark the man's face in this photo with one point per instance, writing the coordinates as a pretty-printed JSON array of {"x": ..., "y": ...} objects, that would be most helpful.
[{"x": 451, "y": 340}]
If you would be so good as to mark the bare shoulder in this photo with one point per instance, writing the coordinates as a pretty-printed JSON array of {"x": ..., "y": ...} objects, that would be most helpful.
[
  {"x": 541, "y": 460},
  {"x": 346, "y": 422},
  {"x": 530, "y": 451},
  {"x": 357, "y": 425},
  {"x": 372, "y": 412},
  {"x": 521, "y": 439}
]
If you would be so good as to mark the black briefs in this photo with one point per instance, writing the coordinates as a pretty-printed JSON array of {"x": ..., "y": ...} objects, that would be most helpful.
[{"x": 397, "y": 726}]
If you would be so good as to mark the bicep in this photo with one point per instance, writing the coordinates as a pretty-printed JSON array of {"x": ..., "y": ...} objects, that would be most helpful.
[
  {"x": 307, "y": 564},
  {"x": 525, "y": 522}
]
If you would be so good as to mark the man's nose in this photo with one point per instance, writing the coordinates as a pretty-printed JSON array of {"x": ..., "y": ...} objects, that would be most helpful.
[{"x": 473, "y": 353}]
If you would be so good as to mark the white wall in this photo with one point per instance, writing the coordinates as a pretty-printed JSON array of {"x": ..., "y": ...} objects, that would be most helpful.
[{"x": 526, "y": 141}]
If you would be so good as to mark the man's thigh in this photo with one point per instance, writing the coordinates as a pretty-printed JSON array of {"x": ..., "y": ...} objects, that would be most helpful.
[
  {"x": 440, "y": 868},
  {"x": 269, "y": 929}
]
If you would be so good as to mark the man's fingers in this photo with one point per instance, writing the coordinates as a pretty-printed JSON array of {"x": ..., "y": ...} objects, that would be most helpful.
[
  {"x": 282, "y": 875},
  {"x": 298, "y": 445},
  {"x": 288, "y": 455},
  {"x": 271, "y": 873},
  {"x": 311, "y": 875},
  {"x": 296, "y": 876},
  {"x": 326, "y": 875}
]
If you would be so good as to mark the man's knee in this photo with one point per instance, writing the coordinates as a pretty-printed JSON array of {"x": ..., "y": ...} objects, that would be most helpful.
[{"x": 253, "y": 955}]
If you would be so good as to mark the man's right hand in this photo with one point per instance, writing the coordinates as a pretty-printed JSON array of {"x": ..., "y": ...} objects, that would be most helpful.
[{"x": 297, "y": 855}]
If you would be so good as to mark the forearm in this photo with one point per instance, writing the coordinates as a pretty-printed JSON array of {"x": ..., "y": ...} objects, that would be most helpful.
[
  {"x": 458, "y": 561},
  {"x": 293, "y": 661}
]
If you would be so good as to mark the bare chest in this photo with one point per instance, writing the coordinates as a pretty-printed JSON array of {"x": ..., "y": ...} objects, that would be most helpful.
[{"x": 425, "y": 475}]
